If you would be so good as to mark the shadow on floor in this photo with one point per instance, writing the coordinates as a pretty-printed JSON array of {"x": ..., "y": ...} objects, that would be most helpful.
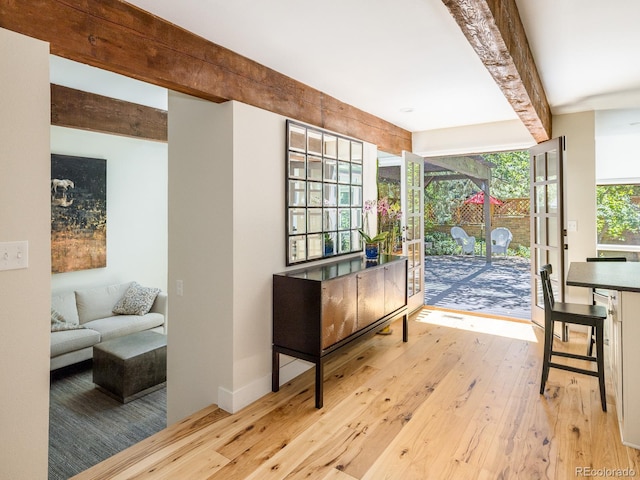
[{"x": 468, "y": 283}]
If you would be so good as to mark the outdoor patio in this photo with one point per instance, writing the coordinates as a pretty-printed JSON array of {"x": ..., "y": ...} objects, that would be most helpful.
[{"x": 465, "y": 282}]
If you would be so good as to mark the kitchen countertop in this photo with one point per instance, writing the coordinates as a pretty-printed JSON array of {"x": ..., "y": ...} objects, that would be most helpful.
[{"x": 622, "y": 276}]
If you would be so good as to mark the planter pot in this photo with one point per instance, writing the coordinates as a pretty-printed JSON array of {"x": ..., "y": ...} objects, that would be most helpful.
[{"x": 371, "y": 251}]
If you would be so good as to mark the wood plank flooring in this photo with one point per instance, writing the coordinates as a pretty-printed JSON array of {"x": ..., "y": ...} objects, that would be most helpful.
[{"x": 460, "y": 400}]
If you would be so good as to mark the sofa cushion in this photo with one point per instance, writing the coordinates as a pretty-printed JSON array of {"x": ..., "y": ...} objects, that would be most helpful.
[
  {"x": 65, "y": 305},
  {"x": 137, "y": 300},
  {"x": 119, "y": 325},
  {"x": 58, "y": 322},
  {"x": 71, "y": 340},
  {"x": 94, "y": 303}
]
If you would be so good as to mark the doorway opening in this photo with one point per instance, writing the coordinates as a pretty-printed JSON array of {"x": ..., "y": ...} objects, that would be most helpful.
[{"x": 461, "y": 277}]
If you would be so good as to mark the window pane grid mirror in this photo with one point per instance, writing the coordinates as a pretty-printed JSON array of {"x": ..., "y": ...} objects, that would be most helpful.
[{"x": 324, "y": 193}]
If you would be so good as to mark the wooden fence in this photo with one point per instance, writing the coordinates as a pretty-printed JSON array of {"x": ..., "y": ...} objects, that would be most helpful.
[{"x": 513, "y": 214}]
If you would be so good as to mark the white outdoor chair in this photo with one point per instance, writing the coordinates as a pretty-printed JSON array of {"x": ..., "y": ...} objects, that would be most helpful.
[
  {"x": 500, "y": 239},
  {"x": 467, "y": 243}
]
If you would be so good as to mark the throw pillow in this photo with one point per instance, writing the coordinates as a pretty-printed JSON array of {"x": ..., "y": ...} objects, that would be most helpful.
[
  {"x": 137, "y": 300},
  {"x": 59, "y": 323}
]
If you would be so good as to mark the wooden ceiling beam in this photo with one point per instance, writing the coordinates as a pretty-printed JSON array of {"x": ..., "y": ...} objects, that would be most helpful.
[
  {"x": 121, "y": 38},
  {"x": 495, "y": 31},
  {"x": 96, "y": 113}
]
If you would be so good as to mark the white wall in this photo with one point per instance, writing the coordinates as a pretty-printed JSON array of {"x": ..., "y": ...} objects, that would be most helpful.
[
  {"x": 136, "y": 208},
  {"x": 229, "y": 161},
  {"x": 25, "y": 294},
  {"x": 618, "y": 146},
  {"x": 259, "y": 245},
  {"x": 580, "y": 190}
]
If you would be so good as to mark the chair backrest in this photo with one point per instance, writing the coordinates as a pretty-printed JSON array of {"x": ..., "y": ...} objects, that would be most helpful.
[
  {"x": 458, "y": 232},
  {"x": 501, "y": 235},
  {"x": 547, "y": 290}
]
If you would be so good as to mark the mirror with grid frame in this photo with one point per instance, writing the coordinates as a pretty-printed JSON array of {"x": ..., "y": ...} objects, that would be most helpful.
[{"x": 324, "y": 193}]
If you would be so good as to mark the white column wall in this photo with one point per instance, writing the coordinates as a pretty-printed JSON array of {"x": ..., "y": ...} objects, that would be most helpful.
[
  {"x": 227, "y": 232},
  {"x": 25, "y": 169},
  {"x": 258, "y": 247},
  {"x": 200, "y": 253},
  {"x": 580, "y": 190}
]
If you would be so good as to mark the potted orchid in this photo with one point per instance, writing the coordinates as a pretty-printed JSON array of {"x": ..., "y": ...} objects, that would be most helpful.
[{"x": 371, "y": 242}]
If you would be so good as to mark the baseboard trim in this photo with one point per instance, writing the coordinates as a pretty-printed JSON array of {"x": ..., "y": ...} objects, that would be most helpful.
[{"x": 234, "y": 401}]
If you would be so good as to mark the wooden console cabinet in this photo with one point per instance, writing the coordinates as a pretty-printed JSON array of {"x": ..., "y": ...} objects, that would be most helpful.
[{"x": 321, "y": 309}]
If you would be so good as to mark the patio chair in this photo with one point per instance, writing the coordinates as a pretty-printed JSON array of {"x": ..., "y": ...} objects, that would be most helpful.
[
  {"x": 467, "y": 243},
  {"x": 500, "y": 239}
]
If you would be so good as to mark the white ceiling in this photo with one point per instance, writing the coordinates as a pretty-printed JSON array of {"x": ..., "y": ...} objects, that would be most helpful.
[{"x": 406, "y": 61}]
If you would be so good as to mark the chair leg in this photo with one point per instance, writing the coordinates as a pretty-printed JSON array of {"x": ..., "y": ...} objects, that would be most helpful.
[
  {"x": 546, "y": 358},
  {"x": 590, "y": 342},
  {"x": 600, "y": 362}
]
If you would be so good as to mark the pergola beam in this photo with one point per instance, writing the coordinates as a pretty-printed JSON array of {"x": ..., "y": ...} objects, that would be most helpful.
[
  {"x": 468, "y": 166},
  {"x": 495, "y": 31}
]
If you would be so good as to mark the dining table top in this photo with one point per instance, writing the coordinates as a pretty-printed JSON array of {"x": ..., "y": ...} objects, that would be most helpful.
[{"x": 621, "y": 276}]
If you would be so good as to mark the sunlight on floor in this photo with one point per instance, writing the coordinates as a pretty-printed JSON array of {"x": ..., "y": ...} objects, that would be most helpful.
[{"x": 472, "y": 323}]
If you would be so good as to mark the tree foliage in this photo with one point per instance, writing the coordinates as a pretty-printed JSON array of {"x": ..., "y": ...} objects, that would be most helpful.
[
  {"x": 510, "y": 176},
  {"x": 617, "y": 215},
  {"x": 510, "y": 179}
]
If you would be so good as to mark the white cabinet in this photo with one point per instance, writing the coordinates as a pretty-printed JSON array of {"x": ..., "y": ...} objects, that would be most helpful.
[
  {"x": 615, "y": 351},
  {"x": 624, "y": 350}
]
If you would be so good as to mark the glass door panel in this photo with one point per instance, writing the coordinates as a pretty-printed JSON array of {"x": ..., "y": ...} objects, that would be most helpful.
[
  {"x": 547, "y": 222},
  {"x": 412, "y": 205}
]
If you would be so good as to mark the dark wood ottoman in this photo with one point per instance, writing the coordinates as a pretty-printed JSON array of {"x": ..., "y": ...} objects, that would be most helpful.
[{"x": 131, "y": 366}]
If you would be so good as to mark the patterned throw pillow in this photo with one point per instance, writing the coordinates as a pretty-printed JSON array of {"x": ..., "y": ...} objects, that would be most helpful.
[
  {"x": 137, "y": 300},
  {"x": 59, "y": 323}
]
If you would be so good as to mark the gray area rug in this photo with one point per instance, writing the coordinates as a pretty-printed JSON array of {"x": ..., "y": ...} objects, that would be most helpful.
[
  {"x": 86, "y": 426},
  {"x": 466, "y": 282}
]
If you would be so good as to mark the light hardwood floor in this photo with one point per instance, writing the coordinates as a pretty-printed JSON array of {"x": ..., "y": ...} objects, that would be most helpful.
[{"x": 460, "y": 400}]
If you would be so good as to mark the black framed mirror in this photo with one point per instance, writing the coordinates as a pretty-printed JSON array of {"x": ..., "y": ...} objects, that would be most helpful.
[{"x": 324, "y": 193}]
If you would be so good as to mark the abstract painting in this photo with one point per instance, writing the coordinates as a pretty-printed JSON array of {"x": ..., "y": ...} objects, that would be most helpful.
[{"x": 78, "y": 213}]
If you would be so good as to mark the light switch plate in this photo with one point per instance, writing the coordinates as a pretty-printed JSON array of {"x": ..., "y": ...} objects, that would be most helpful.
[
  {"x": 14, "y": 255},
  {"x": 572, "y": 226}
]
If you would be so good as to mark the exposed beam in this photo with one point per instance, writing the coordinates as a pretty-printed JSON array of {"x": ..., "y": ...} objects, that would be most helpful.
[
  {"x": 87, "y": 111},
  {"x": 119, "y": 37},
  {"x": 495, "y": 31}
]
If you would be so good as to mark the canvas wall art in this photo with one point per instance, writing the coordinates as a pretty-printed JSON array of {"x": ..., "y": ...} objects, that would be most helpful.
[{"x": 78, "y": 213}]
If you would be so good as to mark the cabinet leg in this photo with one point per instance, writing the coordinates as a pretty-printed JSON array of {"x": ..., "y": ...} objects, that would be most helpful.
[
  {"x": 405, "y": 328},
  {"x": 275, "y": 371},
  {"x": 319, "y": 383}
]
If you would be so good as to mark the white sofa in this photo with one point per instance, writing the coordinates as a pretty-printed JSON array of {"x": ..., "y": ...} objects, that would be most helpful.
[{"x": 88, "y": 318}]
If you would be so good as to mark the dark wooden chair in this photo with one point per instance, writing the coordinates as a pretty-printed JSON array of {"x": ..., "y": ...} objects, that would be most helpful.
[
  {"x": 597, "y": 291},
  {"x": 578, "y": 314}
]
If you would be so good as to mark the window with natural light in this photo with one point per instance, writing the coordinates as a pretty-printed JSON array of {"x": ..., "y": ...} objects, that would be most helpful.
[{"x": 618, "y": 220}]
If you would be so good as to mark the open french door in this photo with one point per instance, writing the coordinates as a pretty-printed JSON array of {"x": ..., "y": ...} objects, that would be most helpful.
[
  {"x": 547, "y": 224},
  {"x": 412, "y": 204}
]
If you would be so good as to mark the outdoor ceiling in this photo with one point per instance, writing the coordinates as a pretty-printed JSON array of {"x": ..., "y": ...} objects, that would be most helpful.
[{"x": 407, "y": 61}]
